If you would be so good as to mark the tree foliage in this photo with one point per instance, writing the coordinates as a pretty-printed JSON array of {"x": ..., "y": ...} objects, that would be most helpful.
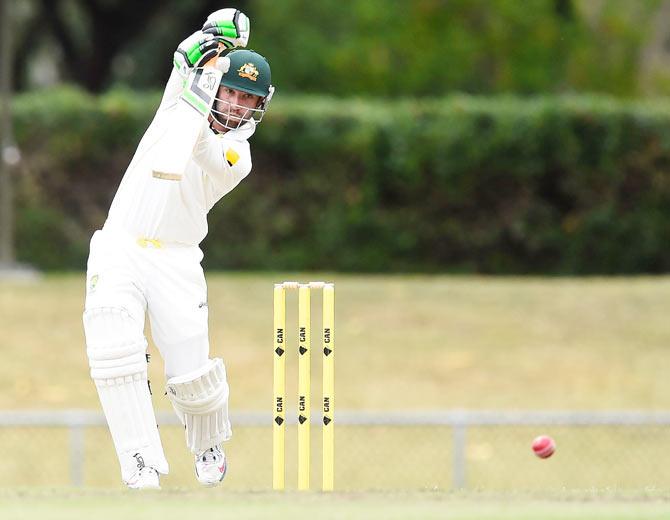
[
  {"x": 388, "y": 48},
  {"x": 99, "y": 42},
  {"x": 430, "y": 47}
]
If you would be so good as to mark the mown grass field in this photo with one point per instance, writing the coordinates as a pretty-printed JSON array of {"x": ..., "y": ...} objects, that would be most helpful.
[
  {"x": 404, "y": 342},
  {"x": 176, "y": 505}
]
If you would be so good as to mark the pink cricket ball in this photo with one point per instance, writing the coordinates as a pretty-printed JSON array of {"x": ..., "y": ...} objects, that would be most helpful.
[{"x": 544, "y": 446}]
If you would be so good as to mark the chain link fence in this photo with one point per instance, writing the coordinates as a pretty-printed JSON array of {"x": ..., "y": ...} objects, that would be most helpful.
[{"x": 374, "y": 451}]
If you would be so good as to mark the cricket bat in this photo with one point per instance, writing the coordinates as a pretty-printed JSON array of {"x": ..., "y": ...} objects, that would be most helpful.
[{"x": 193, "y": 107}]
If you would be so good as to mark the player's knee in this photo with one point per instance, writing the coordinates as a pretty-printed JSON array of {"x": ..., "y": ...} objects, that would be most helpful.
[
  {"x": 114, "y": 343},
  {"x": 202, "y": 392}
]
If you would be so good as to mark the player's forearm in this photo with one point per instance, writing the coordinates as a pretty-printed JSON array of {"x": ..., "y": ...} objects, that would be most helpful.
[{"x": 173, "y": 88}]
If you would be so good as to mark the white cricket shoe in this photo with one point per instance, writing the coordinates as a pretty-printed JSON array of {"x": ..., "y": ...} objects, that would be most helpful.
[
  {"x": 144, "y": 478},
  {"x": 210, "y": 466}
]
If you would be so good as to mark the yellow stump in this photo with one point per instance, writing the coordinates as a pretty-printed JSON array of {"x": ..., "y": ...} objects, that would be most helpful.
[
  {"x": 279, "y": 380},
  {"x": 304, "y": 384},
  {"x": 328, "y": 386}
]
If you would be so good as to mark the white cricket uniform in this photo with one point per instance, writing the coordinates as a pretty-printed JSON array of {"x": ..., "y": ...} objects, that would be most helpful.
[{"x": 146, "y": 259}]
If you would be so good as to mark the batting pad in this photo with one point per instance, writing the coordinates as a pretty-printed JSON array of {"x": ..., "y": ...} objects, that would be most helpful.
[
  {"x": 116, "y": 351},
  {"x": 200, "y": 398}
]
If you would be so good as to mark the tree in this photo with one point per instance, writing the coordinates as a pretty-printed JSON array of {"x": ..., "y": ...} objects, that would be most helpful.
[
  {"x": 387, "y": 48},
  {"x": 92, "y": 35}
]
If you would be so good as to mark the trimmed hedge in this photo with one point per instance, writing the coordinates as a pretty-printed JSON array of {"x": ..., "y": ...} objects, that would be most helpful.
[{"x": 565, "y": 185}]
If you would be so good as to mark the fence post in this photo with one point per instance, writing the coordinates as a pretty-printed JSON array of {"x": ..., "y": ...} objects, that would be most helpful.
[
  {"x": 459, "y": 441},
  {"x": 76, "y": 455}
]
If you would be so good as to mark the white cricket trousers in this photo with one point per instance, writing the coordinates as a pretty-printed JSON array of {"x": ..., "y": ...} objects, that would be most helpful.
[
  {"x": 126, "y": 279},
  {"x": 162, "y": 280}
]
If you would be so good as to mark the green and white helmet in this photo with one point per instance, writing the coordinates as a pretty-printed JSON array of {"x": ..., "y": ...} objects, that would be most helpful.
[{"x": 249, "y": 72}]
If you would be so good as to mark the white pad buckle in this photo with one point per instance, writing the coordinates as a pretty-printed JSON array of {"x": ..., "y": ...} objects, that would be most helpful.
[{"x": 200, "y": 398}]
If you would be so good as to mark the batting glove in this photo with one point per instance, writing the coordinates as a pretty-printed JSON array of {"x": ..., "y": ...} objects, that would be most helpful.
[
  {"x": 228, "y": 26},
  {"x": 195, "y": 51}
]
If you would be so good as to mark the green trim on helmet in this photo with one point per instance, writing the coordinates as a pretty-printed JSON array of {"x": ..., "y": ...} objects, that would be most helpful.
[{"x": 248, "y": 72}]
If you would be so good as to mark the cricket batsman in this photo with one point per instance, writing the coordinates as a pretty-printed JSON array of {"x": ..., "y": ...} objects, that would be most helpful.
[{"x": 145, "y": 261}]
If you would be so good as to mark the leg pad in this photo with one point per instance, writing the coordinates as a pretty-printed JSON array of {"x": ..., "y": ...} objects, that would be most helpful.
[
  {"x": 116, "y": 350},
  {"x": 200, "y": 398}
]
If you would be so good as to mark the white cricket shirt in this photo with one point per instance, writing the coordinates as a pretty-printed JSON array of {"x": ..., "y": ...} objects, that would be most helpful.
[{"x": 175, "y": 211}]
